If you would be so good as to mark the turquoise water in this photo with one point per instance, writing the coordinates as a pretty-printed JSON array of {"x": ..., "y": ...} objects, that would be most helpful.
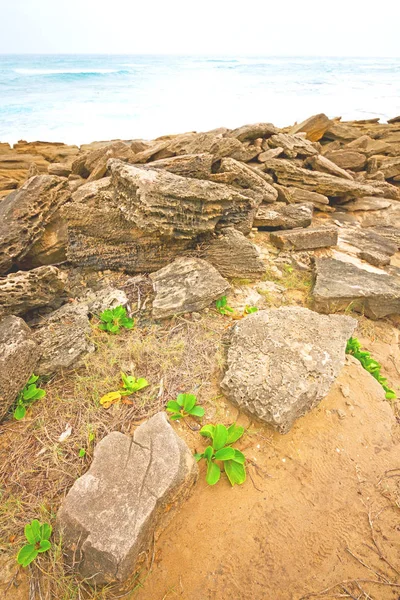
[{"x": 82, "y": 98}]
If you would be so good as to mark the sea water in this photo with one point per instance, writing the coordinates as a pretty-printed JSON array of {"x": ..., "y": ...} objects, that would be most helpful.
[{"x": 81, "y": 98}]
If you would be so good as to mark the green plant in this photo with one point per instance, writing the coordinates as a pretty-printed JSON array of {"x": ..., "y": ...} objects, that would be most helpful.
[
  {"x": 184, "y": 405},
  {"x": 38, "y": 537},
  {"x": 248, "y": 310},
  {"x": 130, "y": 384},
  {"x": 27, "y": 396},
  {"x": 370, "y": 364},
  {"x": 220, "y": 450},
  {"x": 115, "y": 318},
  {"x": 222, "y": 306}
]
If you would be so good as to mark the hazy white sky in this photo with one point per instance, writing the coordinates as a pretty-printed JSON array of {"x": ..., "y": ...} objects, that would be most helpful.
[{"x": 265, "y": 27}]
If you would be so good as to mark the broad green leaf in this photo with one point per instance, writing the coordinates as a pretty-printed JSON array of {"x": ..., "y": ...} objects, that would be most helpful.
[
  {"x": 19, "y": 412},
  {"x": 250, "y": 309},
  {"x": 32, "y": 531},
  {"x": 197, "y": 456},
  {"x": 126, "y": 379},
  {"x": 197, "y": 411},
  {"x": 45, "y": 531},
  {"x": 30, "y": 392},
  {"x": 220, "y": 436},
  {"x": 207, "y": 431},
  {"x": 390, "y": 395},
  {"x": 112, "y": 328},
  {"x": 40, "y": 394},
  {"x": 213, "y": 473},
  {"x": 173, "y": 406},
  {"x": 239, "y": 457},
  {"x": 26, "y": 555},
  {"x": 234, "y": 433},
  {"x": 176, "y": 417},
  {"x": 221, "y": 303},
  {"x": 107, "y": 316},
  {"x": 32, "y": 379},
  {"x": 103, "y": 326},
  {"x": 82, "y": 453},
  {"x": 127, "y": 322},
  {"x": 44, "y": 546},
  {"x": 235, "y": 472},
  {"x": 119, "y": 312},
  {"x": 140, "y": 384},
  {"x": 188, "y": 401},
  {"x": 208, "y": 452},
  {"x": 225, "y": 454}
]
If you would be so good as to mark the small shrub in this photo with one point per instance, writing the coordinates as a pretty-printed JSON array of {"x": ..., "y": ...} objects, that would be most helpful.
[
  {"x": 130, "y": 385},
  {"x": 220, "y": 450},
  {"x": 27, "y": 396},
  {"x": 370, "y": 364},
  {"x": 248, "y": 310},
  {"x": 184, "y": 405},
  {"x": 222, "y": 306},
  {"x": 38, "y": 541},
  {"x": 115, "y": 318}
]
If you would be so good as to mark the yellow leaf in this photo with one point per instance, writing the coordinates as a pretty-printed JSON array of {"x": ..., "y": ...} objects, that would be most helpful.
[{"x": 110, "y": 398}]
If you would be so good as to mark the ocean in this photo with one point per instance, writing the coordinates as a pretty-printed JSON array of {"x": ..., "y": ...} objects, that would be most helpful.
[{"x": 82, "y": 98}]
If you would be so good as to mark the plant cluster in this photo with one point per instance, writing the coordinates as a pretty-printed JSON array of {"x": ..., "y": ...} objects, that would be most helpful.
[
  {"x": 370, "y": 364},
  {"x": 113, "y": 319},
  {"x": 129, "y": 385},
  {"x": 224, "y": 309},
  {"x": 38, "y": 537},
  {"x": 27, "y": 396},
  {"x": 221, "y": 451},
  {"x": 183, "y": 406}
]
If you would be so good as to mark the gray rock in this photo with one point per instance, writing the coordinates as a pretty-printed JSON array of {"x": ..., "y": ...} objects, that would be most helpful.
[
  {"x": 186, "y": 285},
  {"x": 19, "y": 355},
  {"x": 298, "y": 196},
  {"x": 307, "y": 238},
  {"x": 283, "y": 216},
  {"x": 281, "y": 362},
  {"x": 339, "y": 284},
  {"x": 252, "y": 132},
  {"x": 24, "y": 290},
  {"x": 233, "y": 255},
  {"x": 104, "y": 299},
  {"x": 131, "y": 491},
  {"x": 368, "y": 245},
  {"x": 64, "y": 338},
  {"x": 367, "y": 203}
]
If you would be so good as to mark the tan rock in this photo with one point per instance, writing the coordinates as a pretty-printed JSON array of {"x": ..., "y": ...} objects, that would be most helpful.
[{"x": 314, "y": 127}]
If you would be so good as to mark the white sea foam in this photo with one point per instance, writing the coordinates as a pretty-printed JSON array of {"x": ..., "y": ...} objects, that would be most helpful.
[{"x": 68, "y": 71}]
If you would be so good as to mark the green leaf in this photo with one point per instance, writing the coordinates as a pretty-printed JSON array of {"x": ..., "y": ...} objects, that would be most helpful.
[
  {"x": 188, "y": 401},
  {"x": 235, "y": 472},
  {"x": 140, "y": 384},
  {"x": 235, "y": 432},
  {"x": 250, "y": 309},
  {"x": 107, "y": 316},
  {"x": 239, "y": 457},
  {"x": 30, "y": 392},
  {"x": 176, "y": 417},
  {"x": 32, "y": 379},
  {"x": 40, "y": 394},
  {"x": 45, "y": 531},
  {"x": 213, "y": 473},
  {"x": 32, "y": 531},
  {"x": 44, "y": 546},
  {"x": 390, "y": 395},
  {"x": 112, "y": 328},
  {"x": 82, "y": 453},
  {"x": 207, "y": 431},
  {"x": 220, "y": 436},
  {"x": 225, "y": 454},
  {"x": 221, "y": 303},
  {"x": 119, "y": 312},
  {"x": 208, "y": 452},
  {"x": 19, "y": 412},
  {"x": 197, "y": 456},
  {"x": 197, "y": 411},
  {"x": 103, "y": 326},
  {"x": 127, "y": 322},
  {"x": 26, "y": 555},
  {"x": 173, "y": 406}
]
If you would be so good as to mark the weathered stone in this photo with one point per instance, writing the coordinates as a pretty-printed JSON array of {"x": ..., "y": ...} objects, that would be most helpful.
[
  {"x": 324, "y": 165},
  {"x": 216, "y": 144},
  {"x": 390, "y": 233},
  {"x": 390, "y": 167},
  {"x": 95, "y": 161},
  {"x": 367, "y": 245},
  {"x": 283, "y": 216},
  {"x": 281, "y": 362},
  {"x": 186, "y": 285},
  {"x": 24, "y": 215},
  {"x": 394, "y": 120},
  {"x": 130, "y": 493},
  {"x": 368, "y": 146},
  {"x": 105, "y": 299},
  {"x": 24, "y": 290},
  {"x": 233, "y": 172},
  {"x": 271, "y": 153},
  {"x": 50, "y": 249},
  {"x": 7, "y": 183},
  {"x": 63, "y": 338},
  {"x": 233, "y": 255},
  {"x": 197, "y": 166},
  {"x": 339, "y": 284},
  {"x": 339, "y": 131},
  {"x": 252, "y": 132},
  {"x": 307, "y": 238},
  {"x": 367, "y": 203},
  {"x": 59, "y": 169},
  {"x": 314, "y": 127},
  {"x": 347, "y": 159},
  {"x": 293, "y": 145},
  {"x": 19, "y": 355},
  {"x": 293, "y": 195}
]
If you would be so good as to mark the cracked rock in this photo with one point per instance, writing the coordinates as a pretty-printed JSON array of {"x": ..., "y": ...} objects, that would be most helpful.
[{"x": 129, "y": 494}]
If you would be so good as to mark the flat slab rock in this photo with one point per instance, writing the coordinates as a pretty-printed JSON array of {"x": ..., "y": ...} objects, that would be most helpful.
[
  {"x": 111, "y": 513},
  {"x": 307, "y": 238},
  {"x": 186, "y": 285},
  {"x": 281, "y": 362},
  {"x": 283, "y": 216},
  {"x": 339, "y": 284},
  {"x": 19, "y": 354}
]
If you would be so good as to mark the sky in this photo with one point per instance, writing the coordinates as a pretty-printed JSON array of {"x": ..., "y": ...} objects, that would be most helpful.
[{"x": 223, "y": 27}]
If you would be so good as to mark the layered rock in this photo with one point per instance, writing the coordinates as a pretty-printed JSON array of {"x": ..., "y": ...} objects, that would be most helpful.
[{"x": 307, "y": 238}]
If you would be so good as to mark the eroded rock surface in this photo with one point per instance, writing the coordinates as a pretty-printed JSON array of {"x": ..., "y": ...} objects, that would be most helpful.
[
  {"x": 306, "y": 238},
  {"x": 284, "y": 216},
  {"x": 111, "y": 513},
  {"x": 281, "y": 362}
]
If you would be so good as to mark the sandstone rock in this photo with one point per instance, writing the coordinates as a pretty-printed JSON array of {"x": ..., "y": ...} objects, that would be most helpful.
[
  {"x": 233, "y": 255},
  {"x": 25, "y": 213},
  {"x": 95, "y": 161},
  {"x": 235, "y": 173},
  {"x": 293, "y": 145},
  {"x": 50, "y": 151},
  {"x": 341, "y": 132},
  {"x": 323, "y": 164},
  {"x": 283, "y": 216},
  {"x": 252, "y": 132},
  {"x": 307, "y": 238},
  {"x": 368, "y": 146},
  {"x": 296, "y": 195},
  {"x": 314, "y": 127},
  {"x": 111, "y": 513},
  {"x": 390, "y": 233},
  {"x": 50, "y": 248},
  {"x": 186, "y": 285},
  {"x": 271, "y": 153},
  {"x": 63, "y": 338},
  {"x": 367, "y": 203},
  {"x": 281, "y": 362},
  {"x": 390, "y": 167},
  {"x": 197, "y": 166},
  {"x": 19, "y": 355},
  {"x": 215, "y": 144},
  {"x": 59, "y": 169},
  {"x": 347, "y": 159},
  {"x": 339, "y": 284},
  {"x": 394, "y": 120},
  {"x": 367, "y": 245},
  {"x": 103, "y": 299},
  {"x": 24, "y": 290}
]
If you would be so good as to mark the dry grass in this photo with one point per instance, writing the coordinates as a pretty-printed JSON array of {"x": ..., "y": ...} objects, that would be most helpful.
[{"x": 37, "y": 470}]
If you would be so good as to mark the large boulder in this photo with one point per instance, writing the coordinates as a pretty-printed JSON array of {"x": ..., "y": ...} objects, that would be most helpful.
[
  {"x": 340, "y": 284},
  {"x": 63, "y": 338},
  {"x": 19, "y": 354},
  {"x": 23, "y": 291},
  {"x": 132, "y": 489},
  {"x": 24, "y": 215},
  {"x": 281, "y": 362},
  {"x": 186, "y": 285}
]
